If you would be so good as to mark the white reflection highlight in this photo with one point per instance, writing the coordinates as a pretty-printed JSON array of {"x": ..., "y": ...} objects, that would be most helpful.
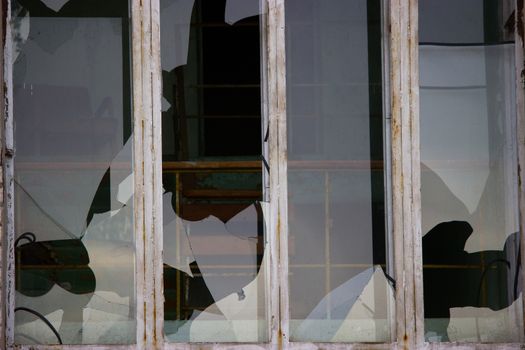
[
  {"x": 177, "y": 249},
  {"x": 357, "y": 310},
  {"x": 56, "y": 122},
  {"x": 237, "y": 10},
  {"x": 468, "y": 152},
  {"x": 471, "y": 324},
  {"x": 36, "y": 331},
  {"x": 455, "y": 118},
  {"x": 121, "y": 176},
  {"x": 238, "y": 313},
  {"x": 55, "y": 5},
  {"x": 175, "y": 19},
  {"x": 238, "y": 317},
  {"x": 211, "y": 241}
]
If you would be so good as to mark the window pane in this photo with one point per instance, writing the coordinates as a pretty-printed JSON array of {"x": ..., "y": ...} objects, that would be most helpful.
[
  {"x": 73, "y": 173},
  {"x": 214, "y": 229},
  {"x": 469, "y": 171},
  {"x": 339, "y": 286}
]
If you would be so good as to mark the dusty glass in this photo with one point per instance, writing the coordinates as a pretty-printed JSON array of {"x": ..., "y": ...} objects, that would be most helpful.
[
  {"x": 73, "y": 177},
  {"x": 469, "y": 178},
  {"x": 340, "y": 286},
  {"x": 214, "y": 226}
]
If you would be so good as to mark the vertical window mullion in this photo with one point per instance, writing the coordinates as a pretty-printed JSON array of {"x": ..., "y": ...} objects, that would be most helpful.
[
  {"x": 270, "y": 140},
  {"x": 387, "y": 149},
  {"x": 138, "y": 154},
  {"x": 8, "y": 187},
  {"x": 417, "y": 261},
  {"x": 405, "y": 172},
  {"x": 2, "y": 199},
  {"x": 278, "y": 244},
  {"x": 520, "y": 112},
  {"x": 152, "y": 175},
  {"x": 156, "y": 90}
]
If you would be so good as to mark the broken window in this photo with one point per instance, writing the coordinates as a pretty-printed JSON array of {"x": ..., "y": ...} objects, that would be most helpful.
[
  {"x": 336, "y": 182},
  {"x": 73, "y": 178},
  {"x": 214, "y": 228},
  {"x": 469, "y": 172},
  {"x": 246, "y": 174}
]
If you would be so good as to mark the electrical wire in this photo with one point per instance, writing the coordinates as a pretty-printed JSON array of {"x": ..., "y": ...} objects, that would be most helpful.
[
  {"x": 29, "y": 236},
  {"x": 390, "y": 279},
  {"x": 43, "y": 318}
]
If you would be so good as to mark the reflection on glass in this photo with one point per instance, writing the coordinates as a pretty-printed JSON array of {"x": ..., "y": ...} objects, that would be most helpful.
[
  {"x": 214, "y": 253},
  {"x": 469, "y": 172},
  {"x": 339, "y": 286},
  {"x": 73, "y": 173}
]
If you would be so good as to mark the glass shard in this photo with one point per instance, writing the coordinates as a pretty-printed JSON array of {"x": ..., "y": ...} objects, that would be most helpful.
[
  {"x": 214, "y": 225},
  {"x": 469, "y": 172},
  {"x": 73, "y": 173},
  {"x": 336, "y": 184}
]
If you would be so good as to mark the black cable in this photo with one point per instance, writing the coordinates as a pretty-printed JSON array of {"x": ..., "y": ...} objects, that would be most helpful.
[
  {"x": 42, "y": 317},
  {"x": 266, "y": 165},
  {"x": 390, "y": 279},
  {"x": 30, "y": 236}
]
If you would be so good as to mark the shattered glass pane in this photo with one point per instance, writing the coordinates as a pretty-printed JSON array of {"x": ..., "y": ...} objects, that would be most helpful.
[
  {"x": 336, "y": 197},
  {"x": 73, "y": 173},
  {"x": 469, "y": 172},
  {"x": 214, "y": 221}
]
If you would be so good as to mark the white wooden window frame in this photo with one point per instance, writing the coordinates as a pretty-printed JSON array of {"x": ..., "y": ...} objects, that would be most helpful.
[{"x": 401, "y": 57}]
